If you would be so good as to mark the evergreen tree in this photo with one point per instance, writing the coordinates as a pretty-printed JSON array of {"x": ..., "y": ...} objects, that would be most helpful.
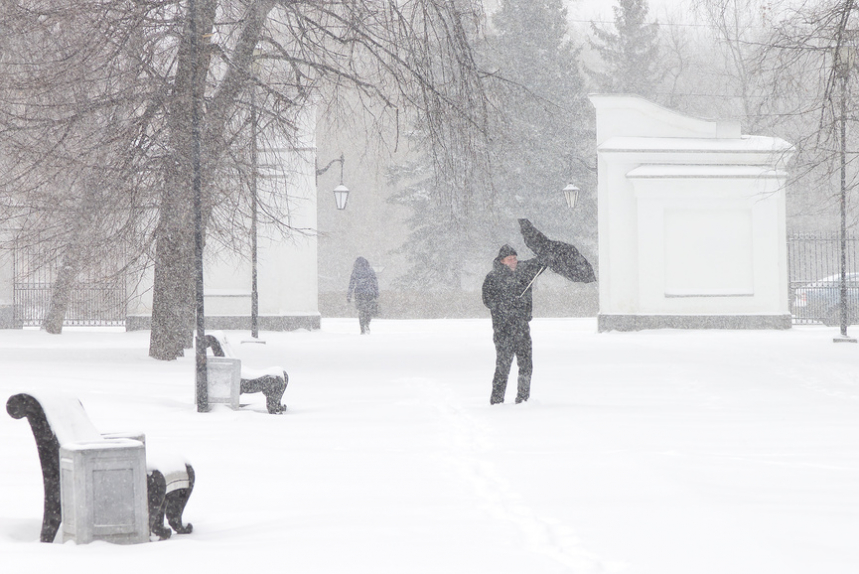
[
  {"x": 539, "y": 138},
  {"x": 438, "y": 239},
  {"x": 629, "y": 53},
  {"x": 542, "y": 132}
]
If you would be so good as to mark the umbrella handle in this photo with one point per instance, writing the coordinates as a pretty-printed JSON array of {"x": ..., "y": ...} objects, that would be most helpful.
[{"x": 532, "y": 281}]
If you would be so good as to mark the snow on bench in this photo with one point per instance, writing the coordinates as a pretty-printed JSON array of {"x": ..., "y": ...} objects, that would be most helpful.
[
  {"x": 59, "y": 420},
  {"x": 271, "y": 381}
]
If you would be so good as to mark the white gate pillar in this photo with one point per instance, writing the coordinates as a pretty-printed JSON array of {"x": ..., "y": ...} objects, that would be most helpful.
[{"x": 691, "y": 221}]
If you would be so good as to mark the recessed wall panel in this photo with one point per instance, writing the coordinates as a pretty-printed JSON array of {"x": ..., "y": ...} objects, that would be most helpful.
[{"x": 708, "y": 253}]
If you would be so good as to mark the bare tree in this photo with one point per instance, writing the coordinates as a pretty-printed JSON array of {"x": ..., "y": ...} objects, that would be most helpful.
[
  {"x": 783, "y": 75},
  {"x": 69, "y": 176},
  {"x": 142, "y": 70},
  {"x": 811, "y": 89}
]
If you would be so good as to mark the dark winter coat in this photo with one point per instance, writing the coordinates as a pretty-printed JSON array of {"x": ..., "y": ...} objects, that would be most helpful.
[
  {"x": 507, "y": 294},
  {"x": 364, "y": 286}
]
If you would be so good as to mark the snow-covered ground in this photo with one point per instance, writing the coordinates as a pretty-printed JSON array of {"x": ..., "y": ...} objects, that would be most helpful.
[{"x": 659, "y": 452}]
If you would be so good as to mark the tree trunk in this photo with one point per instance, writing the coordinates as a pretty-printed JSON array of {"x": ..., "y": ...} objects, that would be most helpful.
[
  {"x": 174, "y": 264},
  {"x": 60, "y": 295},
  {"x": 173, "y": 309},
  {"x": 173, "y": 288}
]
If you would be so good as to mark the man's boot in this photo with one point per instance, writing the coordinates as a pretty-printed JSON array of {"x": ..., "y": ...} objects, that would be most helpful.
[{"x": 524, "y": 389}]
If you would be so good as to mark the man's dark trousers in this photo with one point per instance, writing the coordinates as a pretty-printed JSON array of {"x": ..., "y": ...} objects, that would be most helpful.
[{"x": 514, "y": 340}]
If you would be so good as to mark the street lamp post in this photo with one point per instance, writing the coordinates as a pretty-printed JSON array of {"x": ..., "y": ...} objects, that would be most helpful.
[
  {"x": 341, "y": 192},
  {"x": 571, "y": 191},
  {"x": 254, "y": 167},
  {"x": 843, "y": 62},
  {"x": 201, "y": 387}
]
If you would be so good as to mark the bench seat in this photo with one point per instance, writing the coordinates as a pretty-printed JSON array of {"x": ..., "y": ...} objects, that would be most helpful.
[
  {"x": 271, "y": 381},
  {"x": 58, "y": 419}
]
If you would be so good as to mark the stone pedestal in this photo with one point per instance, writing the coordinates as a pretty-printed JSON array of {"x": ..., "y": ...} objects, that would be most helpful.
[
  {"x": 103, "y": 491},
  {"x": 224, "y": 378}
]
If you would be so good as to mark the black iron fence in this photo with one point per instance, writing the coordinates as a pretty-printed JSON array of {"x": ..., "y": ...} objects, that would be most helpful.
[
  {"x": 98, "y": 297},
  {"x": 814, "y": 277},
  {"x": 89, "y": 304}
]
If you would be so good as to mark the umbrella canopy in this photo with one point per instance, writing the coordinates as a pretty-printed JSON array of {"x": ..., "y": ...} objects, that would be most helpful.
[{"x": 562, "y": 258}]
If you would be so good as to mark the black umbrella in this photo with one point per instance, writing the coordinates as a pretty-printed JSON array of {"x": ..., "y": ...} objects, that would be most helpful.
[{"x": 562, "y": 258}]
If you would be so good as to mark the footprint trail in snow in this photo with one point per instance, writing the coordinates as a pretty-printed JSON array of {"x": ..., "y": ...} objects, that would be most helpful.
[{"x": 467, "y": 444}]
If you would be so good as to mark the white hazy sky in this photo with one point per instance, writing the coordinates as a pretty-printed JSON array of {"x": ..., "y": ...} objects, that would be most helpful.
[
  {"x": 602, "y": 9},
  {"x": 591, "y": 9}
]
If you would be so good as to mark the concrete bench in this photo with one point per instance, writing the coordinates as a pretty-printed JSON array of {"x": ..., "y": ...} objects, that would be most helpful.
[
  {"x": 59, "y": 423},
  {"x": 271, "y": 382}
]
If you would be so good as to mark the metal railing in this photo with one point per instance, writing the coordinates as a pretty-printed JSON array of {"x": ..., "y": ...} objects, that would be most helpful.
[
  {"x": 814, "y": 277},
  {"x": 89, "y": 304},
  {"x": 99, "y": 297}
]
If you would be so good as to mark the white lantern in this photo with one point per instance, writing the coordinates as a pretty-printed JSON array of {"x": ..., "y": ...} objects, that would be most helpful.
[
  {"x": 571, "y": 193},
  {"x": 341, "y": 195}
]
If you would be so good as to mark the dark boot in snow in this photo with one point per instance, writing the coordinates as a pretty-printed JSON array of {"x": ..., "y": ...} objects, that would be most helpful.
[{"x": 524, "y": 388}]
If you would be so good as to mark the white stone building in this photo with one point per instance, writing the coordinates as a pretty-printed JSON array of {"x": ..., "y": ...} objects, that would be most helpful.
[
  {"x": 287, "y": 272},
  {"x": 691, "y": 221}
]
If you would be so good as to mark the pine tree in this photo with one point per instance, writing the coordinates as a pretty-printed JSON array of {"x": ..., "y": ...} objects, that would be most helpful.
[
  {"x": 539, "y": 138},
  {"x": 543, "y": 130},
  {"x": 629, "y": 53}
]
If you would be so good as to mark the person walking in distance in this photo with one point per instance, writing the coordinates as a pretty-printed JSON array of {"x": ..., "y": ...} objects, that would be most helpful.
[
  {"x": 365, "y": 287},
  {"x": 507, "y": 294}
]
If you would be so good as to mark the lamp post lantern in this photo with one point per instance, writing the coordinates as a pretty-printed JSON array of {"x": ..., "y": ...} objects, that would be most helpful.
[
  {"x": 571, "y": 195},
  {"x": 341, "y": 195},
  {"x": 341, "y": 192}
]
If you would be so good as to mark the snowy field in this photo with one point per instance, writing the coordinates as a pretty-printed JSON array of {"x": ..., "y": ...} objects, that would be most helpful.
[{"x": 659, "y": 452}]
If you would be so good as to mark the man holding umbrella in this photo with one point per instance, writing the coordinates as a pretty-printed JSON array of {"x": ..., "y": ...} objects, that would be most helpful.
[{"x": 507, "y": 293}]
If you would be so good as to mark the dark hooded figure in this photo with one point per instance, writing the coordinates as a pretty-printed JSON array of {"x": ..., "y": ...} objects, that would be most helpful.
[
  {"x": 365, "y": 287},
  {"x": 507, "y": 293}
]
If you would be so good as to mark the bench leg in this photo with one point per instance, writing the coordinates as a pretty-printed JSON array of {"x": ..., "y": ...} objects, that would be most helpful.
[
  {"x": 156, "y": 495},
  {"x": 169, "y": 504},
  {"x": 53, "y": 511},
  {"x": 176, "y": 502},
  {"x": 24, "y": 405},
  {"x": 52, "y": 517},
  {"x": 273, "y": 389}
]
